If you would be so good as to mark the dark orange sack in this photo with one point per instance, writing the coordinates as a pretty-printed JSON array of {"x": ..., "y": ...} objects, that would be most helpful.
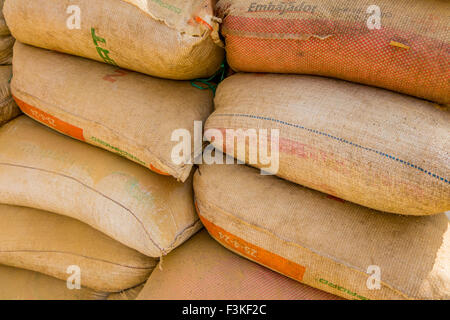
[{"x": 406, "y": 50}]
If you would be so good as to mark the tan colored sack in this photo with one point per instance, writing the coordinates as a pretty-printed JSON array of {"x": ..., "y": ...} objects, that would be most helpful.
[
  {"x": 323, "y": 241},
  {"x": 129, "y": 294},
  {"x": 21, "y": 284},
  {"x": 202, "y": 269},
  {"x": 50, "y": 243},
  {"x": 399, "y": 45},
  {"x": 8, "y": 108},
  {"x": 6, "y": 49},
  {"x": 4, "y": 31},
  {"x": 43, "y": 169},
  {"x": 123, "y": 112},
  {"x": 374, "y": 147},
  {"x": 164, "y": 38}
]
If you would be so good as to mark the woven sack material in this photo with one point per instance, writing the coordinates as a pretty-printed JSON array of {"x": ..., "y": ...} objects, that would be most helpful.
[
  {"x": 40, "y": 168},
  {"x": 322, "y": 241},
  {"x": 408, "y": 53},
  {"x": 202, "y": 269},
  {"x": 173, "y": 39},
  {"x": 21, "y": 284},
  {"x": 374, "y": 147},
  {"x": 124, "y": 112},
  {"x": 51, "y": 244}
]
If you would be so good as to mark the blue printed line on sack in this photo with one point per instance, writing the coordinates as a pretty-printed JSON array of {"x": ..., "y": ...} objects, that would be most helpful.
[{"x": 338, "y": 139}]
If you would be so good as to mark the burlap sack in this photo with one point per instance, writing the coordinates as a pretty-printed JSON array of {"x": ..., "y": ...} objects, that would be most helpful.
[
  {"x": 43, "y": 169},
  {"x": 323, "y": 241},
  {"x": 370, "y": 146},
  {"x": 21, "y": 284},
  {"x": 408, "y": 54},
  {"x": 50, "y": 243},
  {"x": 8, "y": 108},
  {"x": 201, "y": 269},
  {"x": 6, "y": 49},
  {"x": 123, "y": 112},
  {"x": 172, "y": 39}
]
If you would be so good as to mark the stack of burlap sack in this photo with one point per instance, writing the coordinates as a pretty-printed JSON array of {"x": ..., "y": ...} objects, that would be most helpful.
[
  {"x": 103, "y": 200},
  {"x": 380, "y": 159},
  {"x": 89, "y": 219},
  {"x": 89, "y": 211}
]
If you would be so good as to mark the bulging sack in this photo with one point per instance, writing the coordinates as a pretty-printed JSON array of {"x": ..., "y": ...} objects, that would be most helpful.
[
  {"x": 202, "y": 269},
  {"x": 398, "y": 45},
  {"x": 173, "y": 39},
  {"x": 40, "y": 168},
  {"x": 123, "y": 112},
  {"x": 8, "y": 108},
  {"x": 322, "y": 241},
  {"x": 60, "y": 246},
  {"x": 21, "y": 284},
  {"x": 374, "y": 147}
]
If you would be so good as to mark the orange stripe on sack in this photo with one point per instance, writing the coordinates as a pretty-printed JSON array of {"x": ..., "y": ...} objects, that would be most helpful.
[
  {"x": 201, "y": 21},
  {"x": 158, "y": 171},
  {"x": 252, "y": 252},
  {"x": 50, "y": 120}
]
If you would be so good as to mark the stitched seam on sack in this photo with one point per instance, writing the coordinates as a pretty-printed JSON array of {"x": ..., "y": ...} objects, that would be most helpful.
[
  {"x": 340, "y": 140},
  {"x": 77, "y": 255},
  {"x": 98, "y": 192},
  {"x": 152, "y": 155},
  {"x": 131, "y": 288},
  {"x": 226, "y": 28},
  {"x": 181, "y": 233},
  {"x": 335, "y": 260}
]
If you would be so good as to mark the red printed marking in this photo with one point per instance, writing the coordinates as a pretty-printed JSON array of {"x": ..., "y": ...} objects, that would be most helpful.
[
  {"x": 50, "y": 120},
  {"x": 118, "y": 73},
  {"x": 330, "y": 161}
]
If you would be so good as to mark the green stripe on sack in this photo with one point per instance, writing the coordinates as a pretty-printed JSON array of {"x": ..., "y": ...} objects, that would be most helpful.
[
  {"x": 342, "y": 289},
  {"x": 117, "y": 150},
  {"x": 167, "y": 6}
]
